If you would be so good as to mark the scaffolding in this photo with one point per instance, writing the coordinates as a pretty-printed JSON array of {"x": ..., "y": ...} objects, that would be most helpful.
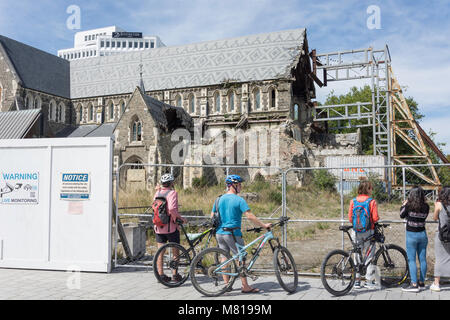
[{"x": 388, "y": 113}]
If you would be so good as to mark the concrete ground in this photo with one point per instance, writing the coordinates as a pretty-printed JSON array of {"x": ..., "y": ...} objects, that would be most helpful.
[{"x": 130, "y": 284}]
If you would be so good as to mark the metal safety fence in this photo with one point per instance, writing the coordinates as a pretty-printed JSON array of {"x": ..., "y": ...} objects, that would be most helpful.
[{"x": 315, "y": 199}]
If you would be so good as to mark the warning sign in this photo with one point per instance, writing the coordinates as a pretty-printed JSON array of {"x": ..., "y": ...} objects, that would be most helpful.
[
  {"x": 19, "y": 187},
  {"x": 75, "y": 186}
]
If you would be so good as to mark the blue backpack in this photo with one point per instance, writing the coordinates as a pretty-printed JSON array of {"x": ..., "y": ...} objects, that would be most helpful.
[{"x": 361, "y": 215}]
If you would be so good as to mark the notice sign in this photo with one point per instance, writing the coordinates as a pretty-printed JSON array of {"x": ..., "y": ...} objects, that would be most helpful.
[
  {"x": 75, "y": 186},
  {"x": 19, "y": 187}
]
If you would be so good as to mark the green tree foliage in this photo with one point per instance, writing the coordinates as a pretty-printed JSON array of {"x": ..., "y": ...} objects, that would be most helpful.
[{"x": 364, "y": 94}]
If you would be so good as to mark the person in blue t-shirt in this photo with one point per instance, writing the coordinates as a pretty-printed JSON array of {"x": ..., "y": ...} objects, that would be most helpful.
[{"x": 231, "y": 208}]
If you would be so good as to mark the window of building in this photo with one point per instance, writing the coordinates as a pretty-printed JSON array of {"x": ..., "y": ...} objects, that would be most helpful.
[
  {"x": 257, "y": 99},
  {"x": 135, "y": 44},
  {"x": 231, "y": 101},
  {"x": 85, "y": 38},
  {"x": 192, "y": 104},
  {"x": 107, "y": 44},
  {"x": 130, "y": 44},
  {"x": 91, "y": 113},
  {"x": 295, "y": 111},
  {"x": 136, "y": 131},
  {"x": 118, "y": 44},
  {"x": 52, "y": 110},
  {"x": 152, "y": 44},
  {"x": 141, "y": 45},
  {"x": 179, "y": 101},
  {"x": 111, "y": 111},
  {"x": 273, "y": 98},
  {"x": 122, "y": 107},
  {"x": 61, "y": 112},
  {"x": 146, "y": 44},
  {"x": 113, "y": 44},
  {"x": 217, "y": 102},
  {"x": 124, "y": 44},
  {"x": 102, "y": 44},
  {"x": 79, "y": 113},
  {"x": 37, "y": 103}
]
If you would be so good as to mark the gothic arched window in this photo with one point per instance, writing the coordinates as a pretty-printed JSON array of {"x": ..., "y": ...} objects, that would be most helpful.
[
  {"x": 231, "y": 100},
  {"x": 136, "y": 133},
  {"x": 217, "y": 102},
  {"x": 111, "y": 111},
  {"x": 191, "y": 103}
]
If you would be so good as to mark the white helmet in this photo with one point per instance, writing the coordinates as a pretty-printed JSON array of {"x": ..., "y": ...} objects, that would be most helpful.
[{"x": 167, "y": 178}]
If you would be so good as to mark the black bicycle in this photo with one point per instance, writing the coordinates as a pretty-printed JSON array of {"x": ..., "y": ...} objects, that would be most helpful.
[
  {"x": 172, "y": 261},
  {"x": 339, "y": 268}
]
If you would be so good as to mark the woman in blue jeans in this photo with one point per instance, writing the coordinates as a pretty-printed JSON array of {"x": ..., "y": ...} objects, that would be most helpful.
[{"x": 415, "y": 210}]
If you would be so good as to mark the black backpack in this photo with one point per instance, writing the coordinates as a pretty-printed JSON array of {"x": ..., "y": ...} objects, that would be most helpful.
[
  {"x": 216, "y": 215},
  {"x": 444, "y": 231}
]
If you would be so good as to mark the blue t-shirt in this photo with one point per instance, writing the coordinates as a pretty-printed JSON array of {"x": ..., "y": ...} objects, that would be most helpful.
[{"x": 231, "y": 208}]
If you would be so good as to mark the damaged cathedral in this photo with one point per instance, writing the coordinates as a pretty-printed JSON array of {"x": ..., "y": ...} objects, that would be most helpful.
[{"x": 259, "y": 83}]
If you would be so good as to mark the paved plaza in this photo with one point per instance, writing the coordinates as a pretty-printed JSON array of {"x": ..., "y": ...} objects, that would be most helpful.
[{"x": 130, "y": 284}]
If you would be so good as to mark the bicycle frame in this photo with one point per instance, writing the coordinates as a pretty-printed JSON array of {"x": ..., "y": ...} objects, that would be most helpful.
[
  {"x": 194, "y": 243},
  {"x": 242, "y": 253}
]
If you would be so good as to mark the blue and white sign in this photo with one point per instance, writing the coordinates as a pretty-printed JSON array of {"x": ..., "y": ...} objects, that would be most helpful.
[
  {"x": 75, "y": 186},
  {"x": 19, "y": 187}
]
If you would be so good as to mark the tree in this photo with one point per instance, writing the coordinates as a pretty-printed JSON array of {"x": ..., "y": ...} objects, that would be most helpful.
[{"x": 364, "y": 94}]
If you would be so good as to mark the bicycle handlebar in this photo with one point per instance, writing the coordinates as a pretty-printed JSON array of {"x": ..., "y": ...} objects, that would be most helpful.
[{"x": 281, "y": 222}]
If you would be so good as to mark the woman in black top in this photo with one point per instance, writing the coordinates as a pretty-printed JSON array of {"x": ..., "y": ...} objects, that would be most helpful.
[{"x": 416, "y": 210}]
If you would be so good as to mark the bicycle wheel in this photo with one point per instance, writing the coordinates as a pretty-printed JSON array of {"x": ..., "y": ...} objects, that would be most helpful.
[
  {"x": 285, "y": 269},
  {"x": 392, "y": 264},
  {"x": 338, "y": 272},
  {"x": 173, "y": 269},
  {"x": 204, "y": 276}
]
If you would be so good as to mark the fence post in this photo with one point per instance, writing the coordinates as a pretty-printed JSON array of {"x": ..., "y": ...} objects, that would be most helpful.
[
  {"x": 116, "y": 235},
  {"x": 404, "y": 183},
  {"x": 342, "y": 203},
  {"x": 283, "y": 206}
]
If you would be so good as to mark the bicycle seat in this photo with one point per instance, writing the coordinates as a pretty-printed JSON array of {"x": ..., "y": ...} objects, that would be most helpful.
[{"x": 345, "y": 228}]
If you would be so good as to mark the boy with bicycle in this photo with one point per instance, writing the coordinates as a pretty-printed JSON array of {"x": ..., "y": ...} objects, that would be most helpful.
[
  {"x": 363, "y": 214},
  {"x": 231, "y": 207}
]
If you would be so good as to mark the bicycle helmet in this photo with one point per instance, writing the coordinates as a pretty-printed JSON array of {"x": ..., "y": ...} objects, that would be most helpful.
[
  {"x": 234, "y": 178},
  {"x": 165, "y": 178}
]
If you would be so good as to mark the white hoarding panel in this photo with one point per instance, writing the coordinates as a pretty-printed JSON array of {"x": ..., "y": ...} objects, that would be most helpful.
[
  {"x": 66, "y": 222},
  {"x": 356, "y": 166}
]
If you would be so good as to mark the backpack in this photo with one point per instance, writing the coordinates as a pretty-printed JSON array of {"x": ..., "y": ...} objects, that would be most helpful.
[
  {"x": 161, "y": 216},
  {"x": 361, "y": 215},
  {"x": 216, "y": 215},
  {"x": 444, "y": 231}
]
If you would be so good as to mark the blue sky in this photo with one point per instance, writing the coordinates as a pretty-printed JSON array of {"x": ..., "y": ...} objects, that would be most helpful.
[{"x": 417, "y": 33}]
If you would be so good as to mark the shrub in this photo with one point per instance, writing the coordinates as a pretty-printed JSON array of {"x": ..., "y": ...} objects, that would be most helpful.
[
  {"x": 199, "y": 183},
  {"x": 324, "y": 180},
  {"x": 275, "y": 196}
]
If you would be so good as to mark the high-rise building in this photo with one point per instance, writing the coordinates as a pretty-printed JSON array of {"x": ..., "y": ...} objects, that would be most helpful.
[{"x": 108, "y": 41}]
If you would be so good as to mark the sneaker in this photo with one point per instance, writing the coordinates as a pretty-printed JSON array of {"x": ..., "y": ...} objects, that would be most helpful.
[
  {"x": 435, "y": 287},
  {"x": 411, "y": 288},
  {"x": 358, "y": 285},
  {"x": 372, "y": 285},
  {"x": 177, "y": 278},
  {"x": 164, "y": 278},
  {"x": 421, "y": 285}
]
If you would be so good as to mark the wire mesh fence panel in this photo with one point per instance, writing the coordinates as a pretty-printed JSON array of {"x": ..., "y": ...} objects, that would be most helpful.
[{"x": 315, "y": 199}]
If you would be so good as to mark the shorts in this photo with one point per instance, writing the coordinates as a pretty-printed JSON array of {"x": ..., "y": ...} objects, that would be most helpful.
[
  {"x": 168, "y": 237},
  {"x": 226, "y": 242}
]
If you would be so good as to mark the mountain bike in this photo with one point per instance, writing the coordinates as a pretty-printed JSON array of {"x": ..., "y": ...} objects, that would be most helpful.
[
  {"x": 219, "y": 269},
  {"x": 176, "y": 259},
  {"x": 338, "y": 270}
]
